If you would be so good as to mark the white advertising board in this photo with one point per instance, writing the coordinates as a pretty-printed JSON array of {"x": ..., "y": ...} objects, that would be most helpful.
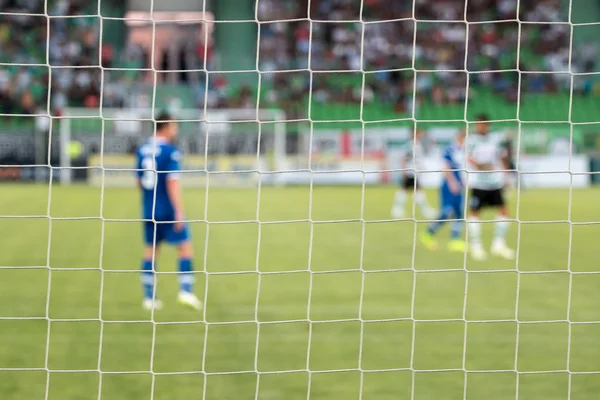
[
  {"x": 333, "y": 172},
  {"x": 118, "y": 171},
  {"x": 542, "y": 171}
]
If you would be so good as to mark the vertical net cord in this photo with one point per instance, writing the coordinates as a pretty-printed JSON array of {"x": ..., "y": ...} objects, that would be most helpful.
[
  {"x": 48, "y": 210},
  {"x": 362, "y": 204},
  {"x": 154, "y": 269},
  {"x": 205, "y": 213},
  {"x": 259, "y": 225},
  {"x": 102, "y": 186},
  {"x": 465, "y": 206},
  {"x": 205, "y": 262},
  {"x": 570, "y": 206},
  {"x": 518, "y": 201},
  {"x": 310, "y": 199},
  {"x": 414, "y": 245}
]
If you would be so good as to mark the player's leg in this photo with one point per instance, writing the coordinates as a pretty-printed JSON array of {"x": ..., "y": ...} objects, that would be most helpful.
[
  {"x": 185, "y": 265},
  {"x": 421, "y": 199},
  {"x": 186, "y": 277},
  {"x": 181, "y": 239},
  {"x": 400, "y": 197},
  {"x": 152, "y": 239},
  {"x": 476, "y": 202},
  {"x": 427, "y": 237},
  {"x": 499, "y": 247},
  {"x": 457, "y": 244}
]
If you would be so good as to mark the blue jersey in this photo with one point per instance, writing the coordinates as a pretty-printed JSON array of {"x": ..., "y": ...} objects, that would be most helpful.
[
  {"x": 157, "y": 161},
  {"x": 454, "y": 160}
]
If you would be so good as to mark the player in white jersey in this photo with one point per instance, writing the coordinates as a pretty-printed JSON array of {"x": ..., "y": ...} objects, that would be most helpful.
[
  {"x": 412, "y": 161},
  {"x": 488, "y": 162}
]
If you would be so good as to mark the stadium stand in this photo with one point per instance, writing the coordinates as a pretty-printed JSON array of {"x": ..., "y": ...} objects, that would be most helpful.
[{"x": 335, "y": 55}]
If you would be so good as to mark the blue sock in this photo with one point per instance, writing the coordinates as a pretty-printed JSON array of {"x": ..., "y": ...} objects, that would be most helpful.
[
  {"x": 457, "y": 226},
  {"x": 186, "y": 278},
  {"x": 440, "y": 220},
  {"x": 456, "y": 230},
  {"x": 147, "y": 279}
]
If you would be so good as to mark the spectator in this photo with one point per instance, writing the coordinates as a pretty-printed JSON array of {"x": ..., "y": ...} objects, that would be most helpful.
[{"x": 386, "y": 49}]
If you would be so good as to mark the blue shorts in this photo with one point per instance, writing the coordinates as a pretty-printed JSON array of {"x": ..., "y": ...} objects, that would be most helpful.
[
  {"x": 165, "y": 232},
  {"x": 453, "y": 203}
]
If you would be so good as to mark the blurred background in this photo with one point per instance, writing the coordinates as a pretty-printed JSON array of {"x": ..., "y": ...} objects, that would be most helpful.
[
  {"x": 314, "y": 291},
  {"x": 319, "y": 64}
]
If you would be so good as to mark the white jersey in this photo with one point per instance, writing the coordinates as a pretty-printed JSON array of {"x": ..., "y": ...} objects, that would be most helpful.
[
  {"x": 486, "y": 149},
  {"x": 414, "y": 154}
]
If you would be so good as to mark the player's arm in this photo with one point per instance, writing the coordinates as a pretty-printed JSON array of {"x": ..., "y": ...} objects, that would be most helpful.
[
  {"x": 404, "y": 161},
  {"x": 174, "y": 191},
  {"x": 505, "y": 159},
  {"x": 174, "y": 188},
  {"x": 453, "y": 183},
  {"x": 139, "y": 172},
  {"x": 480, "y": 166}
]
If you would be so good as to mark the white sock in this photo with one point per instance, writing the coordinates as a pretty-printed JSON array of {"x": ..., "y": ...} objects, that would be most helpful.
[
  {"x": 474, "y": 231},
  {"x": 501, "y": 228},
  {"x": 400, "y": 199},
  {"x": 421, "y": 201}
]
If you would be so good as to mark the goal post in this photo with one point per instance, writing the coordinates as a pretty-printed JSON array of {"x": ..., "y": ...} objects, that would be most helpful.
[{"x": 234, "y": 146}]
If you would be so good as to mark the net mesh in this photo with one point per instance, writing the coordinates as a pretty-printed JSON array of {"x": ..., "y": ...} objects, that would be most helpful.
[{"x": 348, "y": 316}]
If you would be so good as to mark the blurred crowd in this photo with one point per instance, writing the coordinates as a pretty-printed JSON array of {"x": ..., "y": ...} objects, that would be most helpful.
[
  {"x": 72, "y": 51},
  {"x": 388, "y": 46},
  {"x": 439, "y": 49},
  {"x": 76, "y": 55}
]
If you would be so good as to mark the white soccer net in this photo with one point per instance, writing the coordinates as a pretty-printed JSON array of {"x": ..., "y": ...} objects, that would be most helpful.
[{"x": 295, "y": 116}]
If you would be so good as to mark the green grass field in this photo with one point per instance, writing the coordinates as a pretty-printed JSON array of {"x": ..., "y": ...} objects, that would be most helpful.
[{"x": 84, "y": 315}]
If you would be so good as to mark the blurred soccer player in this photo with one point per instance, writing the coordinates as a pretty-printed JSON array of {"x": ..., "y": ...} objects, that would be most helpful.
[
  {"x": 162, "y": 208},
  {"x": 488, "y": 160},
  {"x": 452, "y": 194},
  {"x": 412, "y": 161}
]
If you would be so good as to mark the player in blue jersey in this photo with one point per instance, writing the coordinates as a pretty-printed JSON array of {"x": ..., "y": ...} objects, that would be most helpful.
[
  {"x": 452, "y": 194},
  {"x": 162, "y": 207}
]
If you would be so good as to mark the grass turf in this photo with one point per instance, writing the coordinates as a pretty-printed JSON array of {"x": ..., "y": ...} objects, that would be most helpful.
[{"x": 76, "y": 319}]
